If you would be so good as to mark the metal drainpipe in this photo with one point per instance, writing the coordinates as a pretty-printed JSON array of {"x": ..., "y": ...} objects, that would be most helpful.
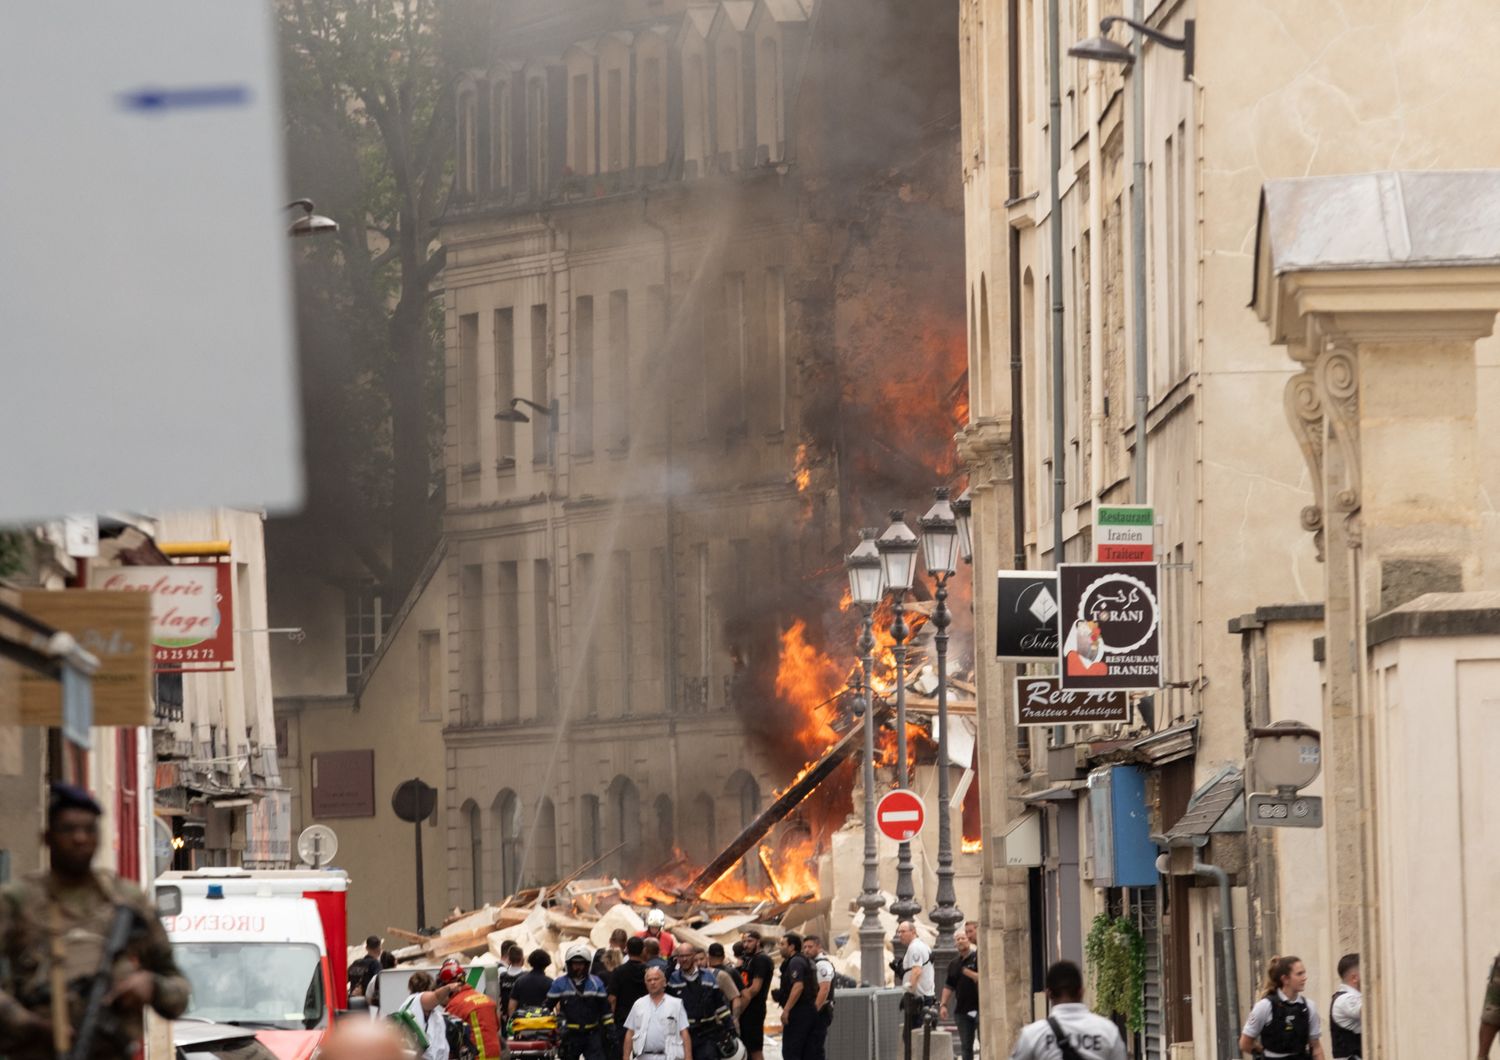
[
  {"x": 1017, "y": 400},
  {"x": 1054, "y": 227},
  {"x": 1228, "y": 1000},
  {"x": 1138, "y": 250}
]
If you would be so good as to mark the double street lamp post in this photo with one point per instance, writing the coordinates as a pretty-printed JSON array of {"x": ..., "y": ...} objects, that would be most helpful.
[
  {"x": 898, "y": 559},
  {"x": 865, "y": 588}
]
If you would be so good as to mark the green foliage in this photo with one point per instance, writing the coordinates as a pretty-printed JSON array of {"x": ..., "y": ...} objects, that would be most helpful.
[
  {"x": 13, "y": 552},
  {"x": 1116, "y": 956}
]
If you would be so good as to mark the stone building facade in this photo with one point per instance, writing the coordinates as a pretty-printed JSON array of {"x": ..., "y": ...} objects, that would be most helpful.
[{"x": 1277, "y": 92}]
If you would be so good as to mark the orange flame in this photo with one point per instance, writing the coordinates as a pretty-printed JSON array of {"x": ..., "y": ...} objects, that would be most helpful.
[{"x": 972, "y": 846}]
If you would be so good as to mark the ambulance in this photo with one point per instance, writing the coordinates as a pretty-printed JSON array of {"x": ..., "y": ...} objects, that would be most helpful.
[{"x": 259, "y": 948}]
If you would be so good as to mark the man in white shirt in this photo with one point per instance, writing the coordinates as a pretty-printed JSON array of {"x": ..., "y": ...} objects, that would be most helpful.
[
  {"x": 1086, "y": 1036},
  {"x": 1347, "y": 1011},
  {"x": 657, "y": 1027},
  {"x": 917, "y": 976}
]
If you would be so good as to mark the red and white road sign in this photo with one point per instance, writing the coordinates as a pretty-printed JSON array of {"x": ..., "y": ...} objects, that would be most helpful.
[{"x": 899, "y": 815}]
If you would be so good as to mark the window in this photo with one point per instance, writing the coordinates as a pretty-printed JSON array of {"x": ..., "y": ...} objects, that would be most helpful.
[
  {"x": 471, "y": 644},
  {"x": 695, "y": 115},
  {"x": 666, "y": 831},
  {"x": 590, "y": 832},
  {"x": 509, "y": 620},
  {"x": 728, "y": 111},
  {"x": 776, "y": 348},
  {"x": 468, "y": 393},
  {"x": 584, "y": 606},
  {"x": 500, "y": 137},
  {"x": 660, "y": 617},
  {"x": 541, "y": 857},
  {"x": 704, "y": 827},
  {"x": 582, "y": 102},
  {"x": 625, "y": 811},
  {"x": 770, "y": 136},
  {"x": 619, "y": 371},
  {"x": 657, "y": 365},
  {"x": 614, "y": 120},
  {"x": 505, "y": 387},
  {"x": 623, "y": 629},
  {"x": 364, "y": 625},
  {"x": 468, "y": 141},
  {"x": 507, "y": 811},
  {"x": 736, "y": 350},
  {"x": 536, "y": 135},
  {"x": 541, "y": 620},
  {"x": 649, "y": 140},
  {"x": 583, "y": 376},
  {"x": 429, "y": 675},
  {"x": 541, "y": 426},
  {"x": 476, "y": 854},
  {"x": 705, "y": 622}
]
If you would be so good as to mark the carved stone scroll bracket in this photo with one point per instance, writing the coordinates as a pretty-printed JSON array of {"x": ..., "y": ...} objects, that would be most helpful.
[
  {"x": 1337, "y": 374},
  {"x": 984, "y": 447},
  {"x": 1304, "y": 412}
]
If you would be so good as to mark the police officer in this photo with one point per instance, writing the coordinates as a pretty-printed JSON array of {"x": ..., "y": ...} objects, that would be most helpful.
[
  {"x": 1283, "y": 1021},
  {"x": 1346, "y": 1012},
  {"x": 1070, "y": 1030},
  {"x": 707, "y": 1009},
  {"x": 53, "y": 931},
  {"x": 582, "y": 1006},
  {"x": 1489, "y": 1015}
]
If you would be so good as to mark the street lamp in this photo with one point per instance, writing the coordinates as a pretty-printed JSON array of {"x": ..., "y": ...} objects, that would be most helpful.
[
  {"x": 1102, "y": 49},
  {"x": 309, "y": 224},
  {"x": 940, "y": 551},
  {"x": 963, "y": 508},
  {"x": 513, "y": 414},
  {"x": 865, "y": 587},
  {"x": 898, "y": 558}
]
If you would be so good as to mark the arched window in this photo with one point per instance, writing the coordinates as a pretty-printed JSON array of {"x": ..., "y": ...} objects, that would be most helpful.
[
  {"x": 695, "y": 114},
  {"x": 590, "y": 833},
  {"x": 727, "y": 113},
  {"x": 625, "y": 823},
  {"x": 541, "y": 860},
  {"x": 468, "y": 141},
  {"x": 770, "y": 132},
  {"x": 699, "y": 827},
  {"x": 475, "y": 849},
  {"x": 744, "y": 791},
  {"x": 500, "y": 137},
  {"x": 666, "y": 826},
  {"x": 536, "y": 135},
  {"x": 507, "y": 811}
]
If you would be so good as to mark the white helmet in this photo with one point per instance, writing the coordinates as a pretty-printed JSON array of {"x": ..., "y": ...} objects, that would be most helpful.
[
  {"x": 656, "y": 919},
  {"x": 579, "y": 951}
]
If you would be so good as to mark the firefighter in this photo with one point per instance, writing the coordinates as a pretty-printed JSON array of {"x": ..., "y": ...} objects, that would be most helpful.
[
  {"x": 656, "y": 928},
  {"x": 582, "y": 1006},
  {"x": 472, "y": 1007},
  {"x": 709, "y": 1018}
]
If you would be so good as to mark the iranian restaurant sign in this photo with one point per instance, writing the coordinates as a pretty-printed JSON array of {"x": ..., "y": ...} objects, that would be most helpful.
[{"x": 192, "y": 611}]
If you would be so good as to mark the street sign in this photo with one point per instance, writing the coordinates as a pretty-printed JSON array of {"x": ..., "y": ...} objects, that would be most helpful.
[
  {"x": 145, "y": 271},
  {"x": 899, "y": 815},
  {"x": 1110, "y": 626},
  {"x": 1026, "y": 626},
  {"x": 1043, "y": 701},
  {"x": 192, "y": 609},
  {"x": 1124, "y": 533},
  {"x": 1278, "y": 811}
]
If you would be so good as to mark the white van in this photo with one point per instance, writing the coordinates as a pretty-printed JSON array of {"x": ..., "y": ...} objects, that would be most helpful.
[{"x": 258, "y": 962}]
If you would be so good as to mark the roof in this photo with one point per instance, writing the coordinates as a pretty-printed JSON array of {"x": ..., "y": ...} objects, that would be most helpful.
[
  {"x": 699, "y": 17},
  {"x": 1216, "y": 807},
  {"x": 1377, "y": 220},
  {"x": 736, "y": 12},
  {"x": 785, "y": 10}
]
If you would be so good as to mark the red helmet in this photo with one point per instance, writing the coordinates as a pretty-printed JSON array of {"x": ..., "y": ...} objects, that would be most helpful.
[{"x": 451, "y": 971}]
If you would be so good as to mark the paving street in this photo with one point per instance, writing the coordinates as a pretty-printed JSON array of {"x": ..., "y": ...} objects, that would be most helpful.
[{"x": 749, "y": 530}]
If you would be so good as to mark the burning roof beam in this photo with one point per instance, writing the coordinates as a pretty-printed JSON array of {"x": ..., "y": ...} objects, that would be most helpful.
[{"x": 774, "y": 813}]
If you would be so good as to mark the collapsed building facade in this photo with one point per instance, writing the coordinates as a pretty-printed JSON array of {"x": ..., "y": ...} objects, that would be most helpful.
[{"x": 652, "y": 258}]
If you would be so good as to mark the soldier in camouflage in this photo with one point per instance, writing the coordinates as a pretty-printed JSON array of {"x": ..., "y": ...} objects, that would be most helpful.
[{"x": 53, "y": 927}]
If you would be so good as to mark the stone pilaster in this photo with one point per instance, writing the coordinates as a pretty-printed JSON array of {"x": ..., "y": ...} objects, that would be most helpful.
[{"x": 1005, "y": 987}]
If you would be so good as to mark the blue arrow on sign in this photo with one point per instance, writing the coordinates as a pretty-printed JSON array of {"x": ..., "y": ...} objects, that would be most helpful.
[{"x": 156, "y": 100}]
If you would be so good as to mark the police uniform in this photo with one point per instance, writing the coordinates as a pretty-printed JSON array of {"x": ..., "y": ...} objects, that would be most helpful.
[
  {"x": 1285, "y": 1028},
  {"x": 1093, "y": 1037},
  {"x": 1346, "y": 1023},
  {"x": 585, "y": 1020},
  {"x": 46, "y": 922},
  {"x": 706, "y": 1008}
]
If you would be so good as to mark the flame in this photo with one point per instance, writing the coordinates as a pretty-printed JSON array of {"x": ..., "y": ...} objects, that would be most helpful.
[
  {"x": 802, "y": 469},
  {"x": 972, "y": 846},
  {"x": 809, "y": 680}
]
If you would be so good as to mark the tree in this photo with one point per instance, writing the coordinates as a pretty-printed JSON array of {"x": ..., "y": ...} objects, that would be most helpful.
[{"x": 368, "y": 88}]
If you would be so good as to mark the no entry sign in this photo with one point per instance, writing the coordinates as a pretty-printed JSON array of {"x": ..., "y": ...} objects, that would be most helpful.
[{"x": 899, "y": 815}]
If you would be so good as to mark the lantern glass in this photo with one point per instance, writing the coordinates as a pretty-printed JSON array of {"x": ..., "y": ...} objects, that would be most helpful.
[
  {"x": 940, "y": 536},
  {"x": 866, "y": 579},
  {"x": 962, "y": 509},
  {"x": 898, "y": 554}
]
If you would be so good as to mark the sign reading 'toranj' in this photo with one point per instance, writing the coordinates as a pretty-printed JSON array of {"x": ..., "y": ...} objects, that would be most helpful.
[{"x": 1043, "y": 701}]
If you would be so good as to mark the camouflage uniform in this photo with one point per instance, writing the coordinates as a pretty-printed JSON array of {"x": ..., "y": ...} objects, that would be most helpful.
[
  {"x": 84, "y": 913},
  {"x": 1490, "y": 1014}
]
